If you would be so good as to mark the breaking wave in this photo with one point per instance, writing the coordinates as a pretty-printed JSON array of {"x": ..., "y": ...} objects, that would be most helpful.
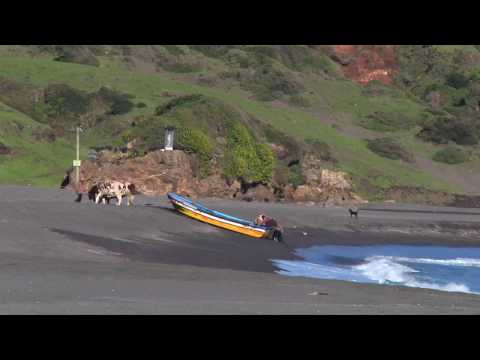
[
  {"x": 449, "y": 262},
  {"x": 384, "y": 270},
  {"x": 453, "y": 275}
]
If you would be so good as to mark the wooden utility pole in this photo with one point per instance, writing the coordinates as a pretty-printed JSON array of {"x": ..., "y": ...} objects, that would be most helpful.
[{"x": 77, "y": 163}]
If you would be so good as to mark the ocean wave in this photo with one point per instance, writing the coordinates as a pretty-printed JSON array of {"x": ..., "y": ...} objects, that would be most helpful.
[
  {"x": 386, "y": 270},
  {"x": 317, "y": 271},
  {"x": 464, "y": 262},
  {"x": 376, "y": 269}
]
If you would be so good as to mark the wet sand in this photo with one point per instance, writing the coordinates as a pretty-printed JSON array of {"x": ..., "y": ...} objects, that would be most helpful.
[{"x": 60, "y": 257}]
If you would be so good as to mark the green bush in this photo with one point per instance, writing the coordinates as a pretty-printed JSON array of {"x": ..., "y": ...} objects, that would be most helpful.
[
  {"x": 457, "y": 80},
  {"x": 179, "y": 102},
  {"x": 76, "y": 54},
  {"x": 240, "y": 58},
  {"x": 301, "y": 101},
  {"x": 119, "y": 102},
  {"x": 62, "y": 100},
  {"x": 445, "y": 129},
  {"x": 295, "y": 176},
  {"x": 174, "y": 50},
  {"x": 451, "y": 155},
  {"x": 322, "y": 150},
  {"x": 272, "y": 80},
  {"x": 285, "y": 175},
  {"x": 390, "y": 149},
  {"x": 180, "y": 64},
  {"x": 245, "y": 158},
  {"x": 197, "y": 142},
  {"x": 391, "y": 121},
  {"x": 264, "y": 167}
]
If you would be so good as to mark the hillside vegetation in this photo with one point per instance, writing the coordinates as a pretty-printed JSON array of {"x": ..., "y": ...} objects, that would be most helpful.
[{"x": 253, "y": 112}]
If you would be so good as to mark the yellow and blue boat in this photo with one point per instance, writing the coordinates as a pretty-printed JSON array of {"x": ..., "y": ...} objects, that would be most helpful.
[{"x": 201, "y": 213}]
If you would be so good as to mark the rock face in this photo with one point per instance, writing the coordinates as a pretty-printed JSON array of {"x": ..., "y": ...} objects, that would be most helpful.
[
  {"x": 329, "y": 188},
  {"x": 157, "y": 173},
  {"x": 365, "y": 63},
  {"x": 160, "y": 172}
]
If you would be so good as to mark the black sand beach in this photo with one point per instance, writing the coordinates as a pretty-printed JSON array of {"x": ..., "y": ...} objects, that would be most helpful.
[{"x": 60, "y": 257}]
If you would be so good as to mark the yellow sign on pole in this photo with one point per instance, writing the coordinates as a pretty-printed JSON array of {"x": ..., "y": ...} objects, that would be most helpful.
[{"x": 77, "y": 163}]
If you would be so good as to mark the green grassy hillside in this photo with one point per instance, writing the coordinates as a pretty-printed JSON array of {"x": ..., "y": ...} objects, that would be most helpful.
[{"x": 299, "y": 92}]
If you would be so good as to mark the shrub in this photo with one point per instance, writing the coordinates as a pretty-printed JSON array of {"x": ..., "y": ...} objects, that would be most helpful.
[
  {"x": 274, "y": 80},
  {"x": 247, "y": 159},
  {"x": 451, "y": 155},
  {"x": 295, "y": 176},
  {"x": 457, "y": 80},
  {"x": 62, "y": 100},
  {"x": 76, "y": 54},
  {"x": 141, "y": 105},
  {"x": 264, "y": 167},
  {"x": 178, "y": 102},
  {"x": 265, "y": 50},
  {"x": 390, "y": 149},
  {"x": 237, "y": 57},
  {"x": 285, "y": 175},
  {"x": 196, "y": 141},
  {"x": 119, "y": 102},
  {"x": 174, "y": 50},
  {"x": 445, "y": 129},
  {"x": 298, "y": 100},
  {"x": 44, "y": 134},
  {"x": 4, "y": 149},
  {"x": 392, "y": 121},
  {"x": 180, "y": 65},
  {"x": 322, "y": 150}
]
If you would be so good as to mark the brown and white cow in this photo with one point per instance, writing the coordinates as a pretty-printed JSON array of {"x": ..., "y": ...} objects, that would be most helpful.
[{"x": 115, "y": 189}]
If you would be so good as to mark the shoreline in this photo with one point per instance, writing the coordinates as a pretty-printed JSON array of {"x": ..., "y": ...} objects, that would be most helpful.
[{"x": 167, "y": 263}]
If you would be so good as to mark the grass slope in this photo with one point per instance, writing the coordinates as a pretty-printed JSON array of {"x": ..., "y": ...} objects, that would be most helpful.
[
  {"x": 43, "y": 163},
  {"x": 32, "y": 162}
]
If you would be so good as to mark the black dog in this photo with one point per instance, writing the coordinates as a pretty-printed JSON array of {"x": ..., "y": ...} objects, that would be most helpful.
[
  {"x": 353, "y": 213},
  {"x": 65, "y": 182}
]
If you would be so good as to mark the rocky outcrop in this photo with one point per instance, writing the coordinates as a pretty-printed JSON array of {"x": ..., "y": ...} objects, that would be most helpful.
[
  {"x": 160, "y": 172},
  {"x": 328, "y": 187},
  {"x": 365, "y": 63},
  {"x": 157, "y": 173}
]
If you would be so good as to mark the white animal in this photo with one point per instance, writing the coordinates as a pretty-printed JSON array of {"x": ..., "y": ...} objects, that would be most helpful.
[{"x": 111, "y": 189}]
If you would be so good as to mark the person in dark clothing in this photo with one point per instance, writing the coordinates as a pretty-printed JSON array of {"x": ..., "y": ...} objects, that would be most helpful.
[
  {"x": 277, "y": 231},
  {"x": 79, "y": 188}
]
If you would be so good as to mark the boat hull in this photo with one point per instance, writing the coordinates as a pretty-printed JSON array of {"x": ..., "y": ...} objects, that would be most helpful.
[{"x": 189, "y": 209}]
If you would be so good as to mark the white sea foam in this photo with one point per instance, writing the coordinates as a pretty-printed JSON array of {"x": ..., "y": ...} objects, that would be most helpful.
[
  {"x": 312, "y": 270},
  {"x": 464, "y": 262},
  {"x": 376, "y": 269},
  {"x": 384, "y": 270}
]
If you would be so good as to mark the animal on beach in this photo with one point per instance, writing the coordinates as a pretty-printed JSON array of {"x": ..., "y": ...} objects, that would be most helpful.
[
  {"x": 113, "y": 189},
  {"x": 65, "y": 182},
  {"x": 93, "y": 192},
  {"x": 353, "y": 212}
]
